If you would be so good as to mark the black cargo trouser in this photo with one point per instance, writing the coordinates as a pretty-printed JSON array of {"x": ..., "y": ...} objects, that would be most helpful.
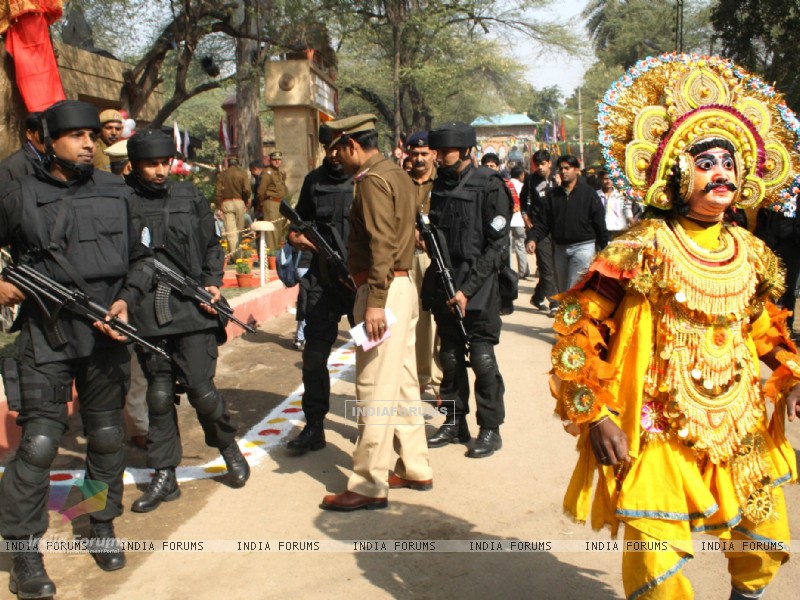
[
  {"x": 101, "y": 381},
  {"x": 484, "y": 332},
  {"x": 324, "y": 308},
  {"x": 193, "y": 365}
]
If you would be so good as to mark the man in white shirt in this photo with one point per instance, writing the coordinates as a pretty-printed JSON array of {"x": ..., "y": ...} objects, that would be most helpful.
[{"x": 619, "y": 210}]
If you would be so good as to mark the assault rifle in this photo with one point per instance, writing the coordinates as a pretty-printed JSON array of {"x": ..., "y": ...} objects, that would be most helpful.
[
  {"x": 169, "y": 279},
  {"x": 51, "y": 296},
  {"x": 332, "y": 256},
  {"x": 430, "y": 236}
]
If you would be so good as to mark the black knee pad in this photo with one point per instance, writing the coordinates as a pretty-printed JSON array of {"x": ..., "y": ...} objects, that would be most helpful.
[
  {"x": 160, "y": 398},
  {"x": 449, "y": 358},
  {"x": 104, "y": 432},
  {"x": 206, "y": 400},
  {"x": 483, "y": 361},
  {"x": 37, "y": 450}
]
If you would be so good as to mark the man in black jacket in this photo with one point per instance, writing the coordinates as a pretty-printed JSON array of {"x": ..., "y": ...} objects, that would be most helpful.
[
  {"x": 471, "y": 207},
  {"x": 325, "y": 200},
  {"x": 75, "y": 225},
  {"x": 573, "y": 215},
  {"x": 531, "y": 198},
  {"x": 179, "y": 227},
  {"x": 25, "y": 160}
]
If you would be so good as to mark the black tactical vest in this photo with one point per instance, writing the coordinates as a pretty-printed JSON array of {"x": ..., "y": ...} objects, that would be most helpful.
[
  {"x": 172, "y": 222},
  {"x": 87, "y": 223},
  {"x": 457, "y": 213},
  {"x": 333, "y": 199}
]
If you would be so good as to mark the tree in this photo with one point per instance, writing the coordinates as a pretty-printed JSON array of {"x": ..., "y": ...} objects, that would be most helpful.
[
  {"x": 761, "y": 35},
  {"x": 625, "y": 31},
  {"x": 409, "y": 58}
]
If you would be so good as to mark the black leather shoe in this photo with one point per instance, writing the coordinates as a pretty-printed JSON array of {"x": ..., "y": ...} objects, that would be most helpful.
[
  {"x": 163, "y": 487},
  {"x": 455, "y": 433},
  {"x": 311, "y": 438},
  {"x": 28, "y": 579},
  {"x": 238, "y": 469},
  {"x": 104, "y": 546},
  {"x": 486, "y": 443}
]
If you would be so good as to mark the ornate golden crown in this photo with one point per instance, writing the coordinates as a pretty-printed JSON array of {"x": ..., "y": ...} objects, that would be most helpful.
[{"x": 662, "y": 106}]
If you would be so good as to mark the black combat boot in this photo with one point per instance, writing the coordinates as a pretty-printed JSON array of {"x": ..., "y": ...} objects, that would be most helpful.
[
  {"x": 451, "y": 433},
  {"x": 238, "y": 469},
  {"x": 104, "y": 546},
  {"x": 486, "y": 443},
  {"x": 163, "y": 487},
  {"x": 311, "y": 438},
  {"x": 28, "y": 579}
]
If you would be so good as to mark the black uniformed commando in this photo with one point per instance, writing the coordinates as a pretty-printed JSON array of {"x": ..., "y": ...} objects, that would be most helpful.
[
  {"x": 75, "y": 225},
  {"x": 325, "y": 200},
  {"x": 471, "y": 207},
  {"x": 179, "y": 228}
]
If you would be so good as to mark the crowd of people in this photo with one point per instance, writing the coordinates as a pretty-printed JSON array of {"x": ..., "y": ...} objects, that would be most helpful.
[{"x": 663, "y": 303}]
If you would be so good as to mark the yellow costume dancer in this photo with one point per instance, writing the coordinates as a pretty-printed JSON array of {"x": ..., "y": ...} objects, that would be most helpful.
[{"x": 656, "y": 366}]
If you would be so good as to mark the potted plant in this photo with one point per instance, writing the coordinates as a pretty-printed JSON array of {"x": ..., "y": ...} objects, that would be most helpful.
[
  {"x": 272, "y": 259},
  {"x": 244, "y": 274}
]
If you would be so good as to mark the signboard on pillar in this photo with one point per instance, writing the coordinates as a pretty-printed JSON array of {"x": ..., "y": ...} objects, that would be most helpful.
[{"x": 301, "y": 97}]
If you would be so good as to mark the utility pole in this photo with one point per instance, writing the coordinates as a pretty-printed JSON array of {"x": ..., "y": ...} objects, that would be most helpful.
[
  {"x": 580, "y": 127},
  {"x": 679, "y": 25}
]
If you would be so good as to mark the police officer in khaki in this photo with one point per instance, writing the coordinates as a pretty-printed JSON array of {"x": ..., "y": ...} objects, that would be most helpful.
[
  {"x": 380, "y": 255},
  {"x": 271, "y": 190},
  {"x": 110, "y": 134},
  {"x": 232, "y": 196},
  {"x": 423, "y": 173},
  {"x": 117, "y": 154}
]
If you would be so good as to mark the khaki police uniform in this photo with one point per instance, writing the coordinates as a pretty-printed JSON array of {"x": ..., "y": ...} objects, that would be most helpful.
[
  {"x": 429, "y": 369},
  {"x": 271, "y": 190},
  {"x": 231, "y": 194},
  {"x": 101, "y": 159},
  {"x": 380, "y": 257}
]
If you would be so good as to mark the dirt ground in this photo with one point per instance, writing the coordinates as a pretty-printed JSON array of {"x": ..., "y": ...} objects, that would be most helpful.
[{"x": 514, "y": 495}]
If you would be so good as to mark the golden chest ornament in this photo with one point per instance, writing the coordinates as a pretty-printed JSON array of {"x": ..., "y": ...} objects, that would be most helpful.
[{"x": 701, "y": 384}]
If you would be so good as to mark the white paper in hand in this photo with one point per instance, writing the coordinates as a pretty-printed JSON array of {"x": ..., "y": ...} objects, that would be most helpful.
[{"x": 360, "y": 337}]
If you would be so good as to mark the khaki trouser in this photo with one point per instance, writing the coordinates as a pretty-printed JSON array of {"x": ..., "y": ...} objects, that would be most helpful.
[
  {"x": 271, "y": 210},
  {"x": 233, "y": 219},
  {"x": 382, "y": 384},
  {"x": 429, "y": 369}
]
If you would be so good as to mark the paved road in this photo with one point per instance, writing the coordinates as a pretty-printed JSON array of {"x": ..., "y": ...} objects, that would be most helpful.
[{"x": 514, "y": 495}]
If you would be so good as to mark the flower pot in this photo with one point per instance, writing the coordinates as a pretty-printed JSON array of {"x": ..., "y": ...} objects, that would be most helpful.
[
  {"x": 244, "y": 279},
  {"x": 272, "y": 262}
]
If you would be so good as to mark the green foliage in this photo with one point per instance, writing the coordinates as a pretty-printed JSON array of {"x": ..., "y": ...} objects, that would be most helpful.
[
  {"x": 625, "y": 31},
  {"x": 413, "y": 63},
  {"x": 762, "y": 36},
  {"x": 243, "y": 267}
]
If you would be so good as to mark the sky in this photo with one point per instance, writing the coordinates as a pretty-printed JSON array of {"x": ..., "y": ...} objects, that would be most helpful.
[{"x": 556, "y": 68}]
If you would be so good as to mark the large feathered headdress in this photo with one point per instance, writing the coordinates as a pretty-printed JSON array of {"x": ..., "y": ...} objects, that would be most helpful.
[{"x": 651, "y": 117}]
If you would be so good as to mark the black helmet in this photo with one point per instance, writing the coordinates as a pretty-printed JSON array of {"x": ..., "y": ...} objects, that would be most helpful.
[
  {"x": 452, "y": 135},
  {"x": 150, "y": 143},
  {"x": 69, "y": 114}
]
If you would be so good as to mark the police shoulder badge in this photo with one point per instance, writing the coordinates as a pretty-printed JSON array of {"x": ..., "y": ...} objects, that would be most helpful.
[{"x": 498, "y": 223}]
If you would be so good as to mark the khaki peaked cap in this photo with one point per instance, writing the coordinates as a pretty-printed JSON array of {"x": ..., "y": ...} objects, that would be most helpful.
[{"x": 350, "y": 125}]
